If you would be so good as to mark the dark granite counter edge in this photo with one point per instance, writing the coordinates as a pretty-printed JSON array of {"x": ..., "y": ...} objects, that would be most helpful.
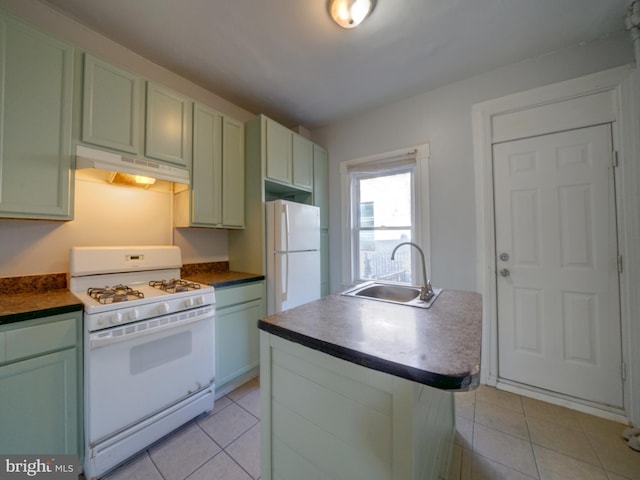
[
  {"x": 231, "y": 283},
  {"x": 45, "y": 312},
  {"x": 460, "y": 383}
]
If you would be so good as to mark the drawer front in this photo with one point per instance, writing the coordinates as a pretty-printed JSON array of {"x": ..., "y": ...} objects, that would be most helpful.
[
  {"x": 227, "y": 296},
  {"x": 28, "y": 341},
  {"x": 3, "y": 357}
]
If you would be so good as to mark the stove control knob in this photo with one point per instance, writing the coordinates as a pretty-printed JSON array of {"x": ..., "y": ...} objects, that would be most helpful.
[
  {"x": 163, "y": 308},
  {"x": 133, "y": 314},
  {"x": 189, "y": 302},
  {"x": 116, "y": 318}
]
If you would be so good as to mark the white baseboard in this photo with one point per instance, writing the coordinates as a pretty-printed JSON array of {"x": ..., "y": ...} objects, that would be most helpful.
[
  {"x": 562, "y": 401},
  {"x": 233, "y": 384}
]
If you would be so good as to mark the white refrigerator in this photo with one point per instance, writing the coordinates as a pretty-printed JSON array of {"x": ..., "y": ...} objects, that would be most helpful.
[{"x": 293, "y": 254}]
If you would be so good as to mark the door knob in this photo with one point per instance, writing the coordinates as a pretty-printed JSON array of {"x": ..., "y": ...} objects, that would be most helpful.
[
  {"x": 505, "y": 272},
  {"x": 504, "y": 257}
]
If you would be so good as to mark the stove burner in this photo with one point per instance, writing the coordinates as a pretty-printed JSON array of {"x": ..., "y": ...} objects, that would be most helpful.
[
  {"x": 118, "y": 293},
  {"x": 174, "y": 285}
]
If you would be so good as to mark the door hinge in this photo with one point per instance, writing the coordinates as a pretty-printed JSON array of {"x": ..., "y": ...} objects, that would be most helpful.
[
  {"x": 619, "y": 261},
  {"x": 624, "y": 371},
  {"x": 614, "y": 158}
]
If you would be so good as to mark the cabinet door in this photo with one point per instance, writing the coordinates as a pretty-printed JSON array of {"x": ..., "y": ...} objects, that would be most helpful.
[
  {"x": 206, "y": 178},
  {"x": 237, "y": 345},
  {"x": 321, "y": 184},
  {"x": 232, "y": 173},
  {"x": 110, "y": 106},
  {"x": 39, "y": 401},
  {"x": 324, "y": 263},
  {"x": 321, "y": 199},
  {"x": 302, "y": 162},
  {"x": 278, "y": 152},
  {"x": 36, "y": 81},
  {"x": 168, "y": 126}
]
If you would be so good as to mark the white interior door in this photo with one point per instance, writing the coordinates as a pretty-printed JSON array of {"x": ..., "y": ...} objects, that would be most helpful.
[{"x": 556, "y": 258}]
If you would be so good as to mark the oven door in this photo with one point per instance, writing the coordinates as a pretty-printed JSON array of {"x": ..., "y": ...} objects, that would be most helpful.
[{"x": 137, "y": 370}]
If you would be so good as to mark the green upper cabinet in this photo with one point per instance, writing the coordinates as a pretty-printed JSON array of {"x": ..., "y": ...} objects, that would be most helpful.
[
  {"x": 36, "y": 75},
  {"x": 288, "y": 157},
  {"x": 111, "y": 106},
  {"x": 168, "y": 126},
  {"x": 206, "y": 177},
  {"x": 232, "y": 173},
  {"x": 321, "y": 199},
  {"x": 279, "y": 152},
  {"x": 216, "y": 197},
  {"x": 321, "y": 184},
  {"x": 302, "y": 162}
]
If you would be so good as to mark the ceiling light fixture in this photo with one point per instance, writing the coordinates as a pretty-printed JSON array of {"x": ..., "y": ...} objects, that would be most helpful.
[{"x": 350, "y": 13}]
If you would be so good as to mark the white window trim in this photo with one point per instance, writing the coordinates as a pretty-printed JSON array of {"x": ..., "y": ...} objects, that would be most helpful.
[{"x": 421, "y": 196}]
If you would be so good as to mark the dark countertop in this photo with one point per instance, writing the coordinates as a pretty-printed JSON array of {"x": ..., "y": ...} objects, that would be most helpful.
[
  {"x": 439, "y": 347},
  {"x": 18, "y": 307},
  {"x": 39, "y": 296},
  {"x": 223, "y": 279}
]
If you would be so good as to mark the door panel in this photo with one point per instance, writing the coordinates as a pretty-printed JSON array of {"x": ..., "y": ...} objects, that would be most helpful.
[{"x": 558, "y": 302}]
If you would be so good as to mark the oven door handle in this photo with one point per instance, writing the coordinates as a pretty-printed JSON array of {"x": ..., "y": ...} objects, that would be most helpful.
[{"x": 147, "y": 327}]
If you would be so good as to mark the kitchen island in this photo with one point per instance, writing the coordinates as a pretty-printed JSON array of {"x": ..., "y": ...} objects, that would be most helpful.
[{"x": 360, "y": 389}]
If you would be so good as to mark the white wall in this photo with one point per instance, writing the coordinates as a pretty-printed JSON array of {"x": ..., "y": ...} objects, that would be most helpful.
[
  {"x": 442, "y": 118},
  {"x": 30, "y": 247}
]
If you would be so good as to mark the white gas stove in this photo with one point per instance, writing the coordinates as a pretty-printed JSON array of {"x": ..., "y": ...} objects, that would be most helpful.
[{"x": 148, "y": 348}]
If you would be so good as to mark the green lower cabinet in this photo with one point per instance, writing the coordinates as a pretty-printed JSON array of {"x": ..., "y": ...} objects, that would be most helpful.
[
  {"x": 39, "y": 405},
  {"x": 40, "y": 386},
  {"x": 237, "y": 342}
]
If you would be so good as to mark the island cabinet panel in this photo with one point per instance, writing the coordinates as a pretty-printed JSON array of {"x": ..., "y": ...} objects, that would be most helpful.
[
  {"x": 111, "y": 106},
  {"x": 323, "y": 417},
  {"x": 40, "y": 386},
  {"x": 36, "y": 85},
  {"x": 168, "y": 126}
]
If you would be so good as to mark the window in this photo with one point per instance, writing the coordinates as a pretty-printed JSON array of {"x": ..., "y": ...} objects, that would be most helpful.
[
  {"x": 385, "y": 209},
  {"x": 383, "y": 218}
]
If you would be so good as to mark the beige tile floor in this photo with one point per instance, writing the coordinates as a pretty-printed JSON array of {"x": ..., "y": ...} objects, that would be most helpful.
[{"x": 499, "y": 436}]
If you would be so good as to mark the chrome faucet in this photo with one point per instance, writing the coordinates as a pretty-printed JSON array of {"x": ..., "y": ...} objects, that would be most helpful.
[{"x": 426, "y": 292}]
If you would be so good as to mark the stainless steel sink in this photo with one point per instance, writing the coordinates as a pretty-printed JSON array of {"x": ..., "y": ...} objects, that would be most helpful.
[{"x": 392, "y": 293}]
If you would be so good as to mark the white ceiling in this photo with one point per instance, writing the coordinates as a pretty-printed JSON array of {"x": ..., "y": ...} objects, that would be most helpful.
[{"x": 287, "y": 59}]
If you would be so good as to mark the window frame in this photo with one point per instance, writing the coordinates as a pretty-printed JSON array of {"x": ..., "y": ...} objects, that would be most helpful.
[
  {"x": 356, "y": 224},
  {"x": 417, "y": 155}
]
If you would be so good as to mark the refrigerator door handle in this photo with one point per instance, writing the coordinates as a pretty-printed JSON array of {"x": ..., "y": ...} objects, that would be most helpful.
[{"x": 286, "y": 252}]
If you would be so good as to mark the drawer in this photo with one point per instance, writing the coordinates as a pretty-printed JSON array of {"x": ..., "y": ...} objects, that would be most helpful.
[
  {"x": 3, "y": 357},
  {"x": 227, "y": 296},
  {"x": 38, "y": 339}
]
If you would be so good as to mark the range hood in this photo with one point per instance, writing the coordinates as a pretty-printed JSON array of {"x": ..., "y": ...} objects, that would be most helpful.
[{"x": 87, "y": 157}]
